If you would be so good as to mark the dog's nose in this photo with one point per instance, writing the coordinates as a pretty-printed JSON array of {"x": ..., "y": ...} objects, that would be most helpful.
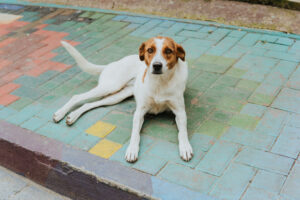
[{"x": 157, "y": 66}]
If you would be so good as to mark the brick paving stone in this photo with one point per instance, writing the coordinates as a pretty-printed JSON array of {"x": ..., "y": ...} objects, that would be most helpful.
[
  {"x": 105, "y": 148},
  {"x": 268, "y": 181},
  {"x": 212, "y": 128},
  {"x": 244, "y": 121},
  {"x": 257, "y": 193},
  {"x": 271, "y": 122},
  {"x": 218, "y": 158},
  {"x": 185, "y": 176},
  {"x": 249, "y": 138},
  {"x": 291, "y": 186},
  {"x": 288, "y": 99},
  {"x": 287, "y": 143},
  {"x": 233, "y": 183},
  {"x": 253, "y": 110},
  {"x": 265, "y": 160}
]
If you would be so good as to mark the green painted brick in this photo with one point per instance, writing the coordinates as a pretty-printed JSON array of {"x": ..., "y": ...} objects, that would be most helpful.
[
  {"x": 203, "y": 81},
  {"x": 261, "y": 99},
  {"x": 221, "y": 116},
  {"x": 235, "y": 72},
  {"x": 230, "y": 104},
  {"x": 244, "y": 121},
  {"x": 212, "y": 128},
  {"x": 247, "y": 84}
]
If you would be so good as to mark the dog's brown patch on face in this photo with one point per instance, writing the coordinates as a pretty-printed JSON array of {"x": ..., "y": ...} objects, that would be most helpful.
[
  {"x": 145, "y": 72},
  {"x": 147, "y": 51},
  {"x": 171, "y": 51}
]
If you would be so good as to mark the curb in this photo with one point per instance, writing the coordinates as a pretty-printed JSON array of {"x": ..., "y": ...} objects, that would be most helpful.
[
  {"x": 78, "y": 174},
  {"x": 207, "y": 23}
]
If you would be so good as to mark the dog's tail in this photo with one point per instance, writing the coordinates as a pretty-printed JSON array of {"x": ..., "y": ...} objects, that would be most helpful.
[{"x": 85, "y": 65}]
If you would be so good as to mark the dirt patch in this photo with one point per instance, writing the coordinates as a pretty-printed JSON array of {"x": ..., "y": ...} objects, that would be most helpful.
[{"x": 226, "y": 12}]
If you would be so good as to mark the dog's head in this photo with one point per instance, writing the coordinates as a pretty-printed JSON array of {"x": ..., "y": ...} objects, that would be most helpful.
[{"x": 161, "y": 54}]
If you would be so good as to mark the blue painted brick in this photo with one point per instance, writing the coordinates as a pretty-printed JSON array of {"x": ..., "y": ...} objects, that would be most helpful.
[
  {"x": 257, "y": 193},
  {"x": 84, "y": 141},
  {"x": 271, "y": 122},
  {"x": 272, "y": 46},
  {"x": 234, "y": 182},
  {"x": 250, "y": 39},
  {"x": 217, "y": 158},
  {"x": 136, "y": 19},
  {"x": 268, "y": 38},
  {"x": 25, "y": 114},
  {"x": 166, "y": 23},
  {"x": 289, "y": 100},
  {"x": 265, "y": 160},
  {"x": 253, "y": 110},
  {"x": 285, "y": 41},
  {"x": 119, "y": 17},
  {"x": 237, "y": 33},
  {"x": 34, "y": 123},
  {"x": 149, "y": 164},
  {"x": 268, "y": 181},
  {"x": 6, "y": 112},
  {"x": 192, "y": 27},
  {"x": 288, "y": 142},
  {"x": 187, "y": 177},
  {"x": 249, "y": 138},
  {"x": 283, "y": 56},
  {"x": 175, "y": 29},
  {"x": 169, "y": 191},
  {"x": 291, "y": 186},
  {"x": 145, "y": 27}
]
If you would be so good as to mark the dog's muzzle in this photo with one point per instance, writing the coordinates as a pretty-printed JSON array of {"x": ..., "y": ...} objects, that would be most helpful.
[{"x": 157, "y": 68}]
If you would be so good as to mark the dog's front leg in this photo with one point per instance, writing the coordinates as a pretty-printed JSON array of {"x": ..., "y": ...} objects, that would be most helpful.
[
  {"x": 133, "y": 148},
  {"x": 185, "y": 148}
]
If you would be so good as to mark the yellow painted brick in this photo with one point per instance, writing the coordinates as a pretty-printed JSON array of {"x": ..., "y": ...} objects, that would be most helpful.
[
  {"x": 100, "y": 129},
  {"x": 105, "y": 148}
]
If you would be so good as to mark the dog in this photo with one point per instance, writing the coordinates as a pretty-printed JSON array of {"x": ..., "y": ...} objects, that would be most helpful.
[{"x": 156, "y": 77}]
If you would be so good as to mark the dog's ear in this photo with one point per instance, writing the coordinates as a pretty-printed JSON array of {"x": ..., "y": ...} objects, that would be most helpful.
[
  {"x": 180, "y": 53},
  {"x": 142, "y": 51}
]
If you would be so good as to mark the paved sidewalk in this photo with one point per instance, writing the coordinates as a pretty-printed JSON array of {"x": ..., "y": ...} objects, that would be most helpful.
[
  {"x": 16, "y": 187},
  {"x": 242, "y": 97}
]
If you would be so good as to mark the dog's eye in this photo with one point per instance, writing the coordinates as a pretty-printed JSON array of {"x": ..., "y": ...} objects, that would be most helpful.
[
  {"x": 150, "y": 50},
  {"x": 168, "y": 51}
]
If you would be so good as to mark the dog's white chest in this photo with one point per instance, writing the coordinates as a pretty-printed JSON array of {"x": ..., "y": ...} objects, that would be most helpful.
[{"x": 157, "y": 105}]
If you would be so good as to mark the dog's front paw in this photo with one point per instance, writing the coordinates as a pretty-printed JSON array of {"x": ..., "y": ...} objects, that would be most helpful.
[
  {"x": 132, "y": 153},
  {"x": 58, "y": 115},
  {"x": 185, "y": 150},
  {"x": 71, "y": 118}
]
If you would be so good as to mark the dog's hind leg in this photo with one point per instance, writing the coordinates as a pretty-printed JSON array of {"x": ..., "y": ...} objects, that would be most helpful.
[
  {"x": 97, "y": 92},
  {"x": 109, "y": 100}
]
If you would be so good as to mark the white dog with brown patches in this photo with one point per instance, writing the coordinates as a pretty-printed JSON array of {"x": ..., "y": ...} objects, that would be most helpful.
[{"x": 157, "y": 79}]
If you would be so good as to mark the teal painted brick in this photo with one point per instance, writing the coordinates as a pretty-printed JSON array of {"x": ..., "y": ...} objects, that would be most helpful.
[
  {"x": 218, "y": 34},
  {"x": 234, "y": 182},
  {"x": 207, "y": 29},
  {"x": 169, "y": 191},
  {"x": 279, "y": 75},
  {"x": 288, "y": 142},
  {"x": 119, "y": 17},
  {"x": 196, "y": 47},
  {"x": 293, "y": 120},
  {"x": 28, "y": 81},
  {"x": 223, "y": 46},
  {"x": 294, "y": 80},
  {"x": 250, "y": 39},
  {"x": 296, "y": 47},
  {"x": 167, "y": 23},
  {"x": 200, "y": 143},
  {"x": 218, "y": 158},
  {"x": 265, "y": 160},
  {"x": 271, "y": 122},
  {"x": 288, "y": 99},
  {"x": 272, "y": 46},
  {"x": 268, "y": 89},
  {"x": 187, "y": 177},
  {"x": 192, "y": 27},
  {"x": 291, "y": 186},
  {"x": 145, "y": 143},
  {"x": 283, "y": 56},
  {"x": 175, "y": 28},
  {"x": 285, "y": 41},
  {"x": 149, "y": 164},
  {"x": 257, "y": 193},
  {"x": 25, "y": 114},
  {"x": 193, "y": 34},
  {"x": 6, "y": 112},
  {"x": 268, "y": 181},
  {"x": 154, "y": 32},
  {"x": 29, "y": 92},
  {"x": 84, "y": 141},
  {"x": 253, "y": 110},
  {"x": 237, "y": 33},
  {"x": 146, "y": 27},
  {"x": 257, "y": 62},
  {"x": 33, "y": 123},
  {"x": 249, "y": 138},
  {"x": 268, "y": 38},
  {"x": 58, "y": 132},
  {"x": 137, "y": 20}
]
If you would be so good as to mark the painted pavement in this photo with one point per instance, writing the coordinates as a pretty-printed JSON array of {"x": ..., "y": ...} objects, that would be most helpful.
[{"x": 242, "y": 97}]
